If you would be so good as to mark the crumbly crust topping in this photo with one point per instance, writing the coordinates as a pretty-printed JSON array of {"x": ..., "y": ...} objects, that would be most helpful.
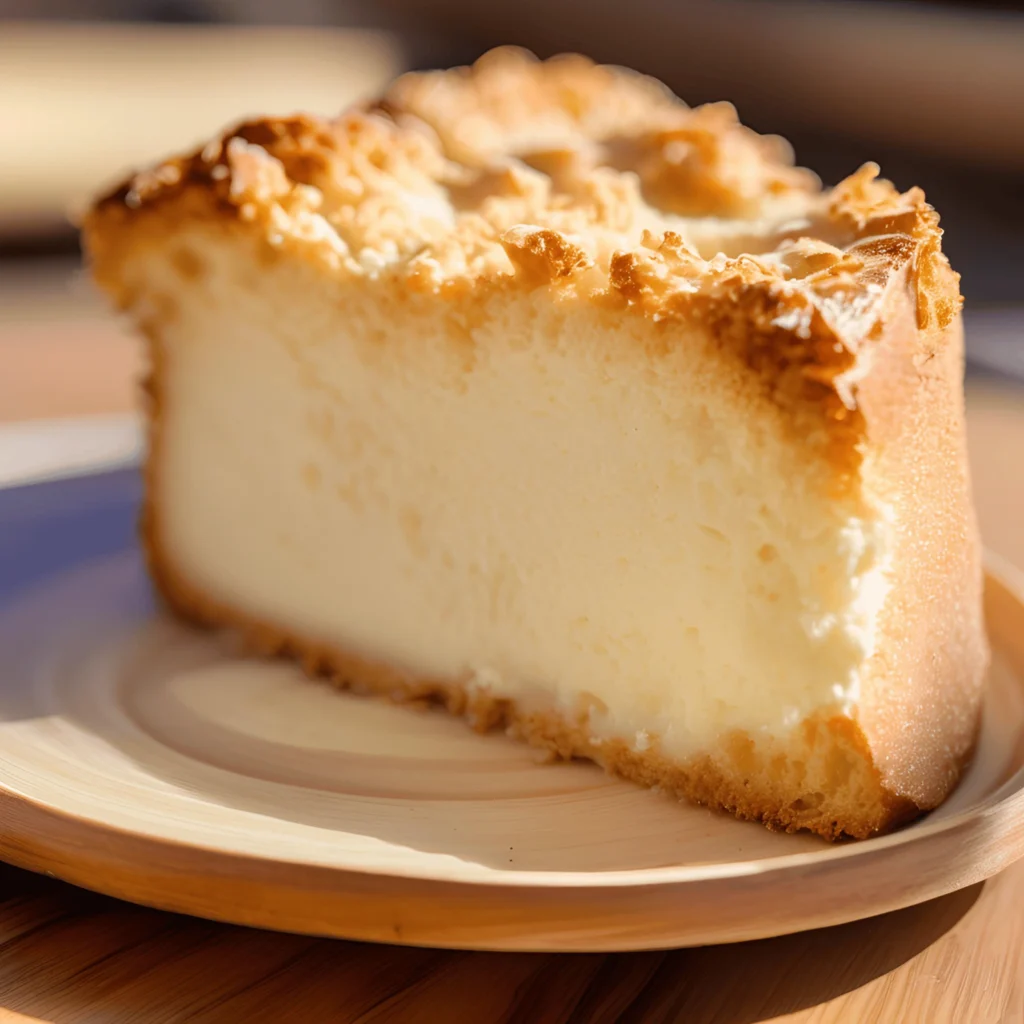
[{"x": 591, "y": 180}]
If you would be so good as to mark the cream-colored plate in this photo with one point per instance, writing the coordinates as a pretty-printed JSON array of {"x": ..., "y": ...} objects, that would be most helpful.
[{"x": 151, "y": 762}]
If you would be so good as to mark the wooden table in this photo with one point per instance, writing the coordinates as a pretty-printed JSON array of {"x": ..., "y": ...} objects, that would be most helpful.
[{"x": 71, "y": 956}]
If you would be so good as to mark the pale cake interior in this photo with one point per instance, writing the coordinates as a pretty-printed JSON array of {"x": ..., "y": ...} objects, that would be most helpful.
[{"x": 553, "y": 518}]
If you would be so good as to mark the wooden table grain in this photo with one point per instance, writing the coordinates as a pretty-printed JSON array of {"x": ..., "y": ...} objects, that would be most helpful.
[{"x": 69, "y": 956}]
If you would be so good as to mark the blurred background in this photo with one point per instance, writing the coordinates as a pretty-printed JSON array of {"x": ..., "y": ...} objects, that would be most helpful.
[{"x": 933, "y": 91}]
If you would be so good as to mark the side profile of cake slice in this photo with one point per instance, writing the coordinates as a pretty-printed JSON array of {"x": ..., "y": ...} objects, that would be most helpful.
[{"x": 535, "y": 392}]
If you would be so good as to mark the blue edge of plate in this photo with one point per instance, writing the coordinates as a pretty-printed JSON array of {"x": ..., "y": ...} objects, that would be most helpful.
[{"x": 54, "y": 525}]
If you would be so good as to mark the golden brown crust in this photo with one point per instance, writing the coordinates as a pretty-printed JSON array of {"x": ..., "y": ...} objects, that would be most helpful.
[
  {"x": 567, "y": 116},
  {"x": 922, "y": 692},
  {"x": 519, "y": 173}
]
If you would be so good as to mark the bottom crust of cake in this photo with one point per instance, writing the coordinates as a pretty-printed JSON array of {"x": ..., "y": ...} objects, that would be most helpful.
[{"x": 821, "y": 780}]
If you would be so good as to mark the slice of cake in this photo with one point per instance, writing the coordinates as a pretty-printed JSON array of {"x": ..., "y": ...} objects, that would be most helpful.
[{"x": 532, "y": 391}]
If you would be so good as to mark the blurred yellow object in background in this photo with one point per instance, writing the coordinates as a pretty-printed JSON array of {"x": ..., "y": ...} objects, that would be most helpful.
[{"x": 84, "y": 103}]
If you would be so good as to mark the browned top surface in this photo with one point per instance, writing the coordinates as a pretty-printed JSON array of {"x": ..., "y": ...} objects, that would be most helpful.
[{"x": 592, "y": 181}]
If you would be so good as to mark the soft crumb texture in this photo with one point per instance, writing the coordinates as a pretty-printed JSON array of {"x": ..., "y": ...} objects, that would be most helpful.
[{"x": 531, "y": 390}]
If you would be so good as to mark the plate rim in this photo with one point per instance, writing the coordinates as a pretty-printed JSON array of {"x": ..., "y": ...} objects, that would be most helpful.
[{"x": 54, "y": 449}]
